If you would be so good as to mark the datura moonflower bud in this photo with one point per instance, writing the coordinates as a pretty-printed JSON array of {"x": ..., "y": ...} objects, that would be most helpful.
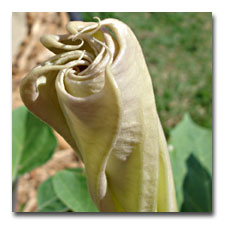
[{"x": 97, "y": 93}]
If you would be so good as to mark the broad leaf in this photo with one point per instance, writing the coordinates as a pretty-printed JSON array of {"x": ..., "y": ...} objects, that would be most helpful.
[
  {"x": 33, "y": 142},
  {"x": 191, "y": 158},
  {"x": 48, "y": 200},
  {"x": 197, "y": 188},
  {"x": 71, "y": 188}
]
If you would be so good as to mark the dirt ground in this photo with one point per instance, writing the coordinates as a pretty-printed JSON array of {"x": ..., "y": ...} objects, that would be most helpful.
[{"x": 27, "y": 52}]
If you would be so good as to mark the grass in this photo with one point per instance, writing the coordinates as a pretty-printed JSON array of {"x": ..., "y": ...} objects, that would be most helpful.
[{"x": 178, "y": 52}]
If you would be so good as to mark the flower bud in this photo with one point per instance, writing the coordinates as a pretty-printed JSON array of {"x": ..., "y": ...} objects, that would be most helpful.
[{"x": 97, "y": 93}]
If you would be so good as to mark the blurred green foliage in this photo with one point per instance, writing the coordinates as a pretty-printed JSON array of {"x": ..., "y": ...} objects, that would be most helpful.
[
  {"x": 191, "y": 158},
  {"x": 66, "y": 191},
  {"x": 33, "y": 142},
  {"x": 47, "y": 198},
  {"x": 178, "y": 52}
]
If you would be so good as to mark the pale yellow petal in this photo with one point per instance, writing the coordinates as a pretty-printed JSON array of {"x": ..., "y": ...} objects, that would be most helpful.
[{"x": 97, "y": 93}]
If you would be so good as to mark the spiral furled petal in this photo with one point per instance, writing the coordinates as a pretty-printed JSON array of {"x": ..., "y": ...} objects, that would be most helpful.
[{"x": 97, "y": 93}]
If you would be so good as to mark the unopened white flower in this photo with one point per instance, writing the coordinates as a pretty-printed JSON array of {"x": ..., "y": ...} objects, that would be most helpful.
[{"x": 97, "y": 93}]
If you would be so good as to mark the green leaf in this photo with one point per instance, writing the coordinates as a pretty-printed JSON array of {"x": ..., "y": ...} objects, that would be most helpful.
[
  {"x": 48, "y": 200},
  {"x": 191, "y": 158},
  {"x": 33, "y": 142},
  {"x": 197, "y": 188},
  {"x": 71, "y": 188}
]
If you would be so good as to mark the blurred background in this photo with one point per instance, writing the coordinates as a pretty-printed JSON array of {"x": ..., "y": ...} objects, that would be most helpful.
[{"x": 178, "y": 51}]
